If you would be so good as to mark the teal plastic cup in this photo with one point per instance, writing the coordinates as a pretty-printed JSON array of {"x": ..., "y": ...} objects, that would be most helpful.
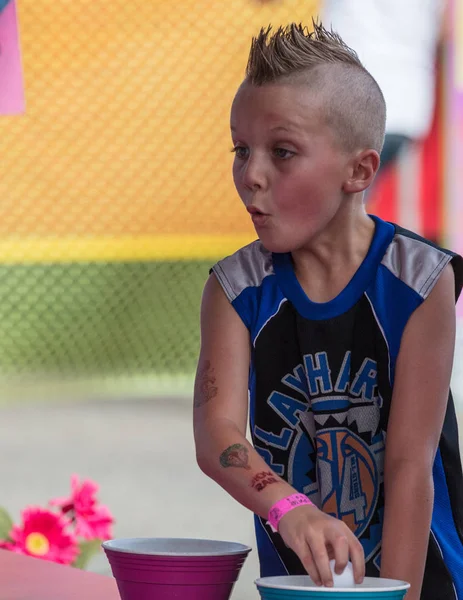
[{"x": 301, "y": 587}]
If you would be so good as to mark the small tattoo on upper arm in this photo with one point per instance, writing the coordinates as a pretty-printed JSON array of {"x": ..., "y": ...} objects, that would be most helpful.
[
  {"x": 261, "y": 480},
  {"x": 235, "y": 456},
  {"x": 205, "y": 388}
]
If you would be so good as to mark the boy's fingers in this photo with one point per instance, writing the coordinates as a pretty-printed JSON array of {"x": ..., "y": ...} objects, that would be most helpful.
[
  {"x": 357, "y": 558},
  {"x": 320, "y": 557},
  {"x": 309, "y": 565},
  {"x": 341, "y": 553}
]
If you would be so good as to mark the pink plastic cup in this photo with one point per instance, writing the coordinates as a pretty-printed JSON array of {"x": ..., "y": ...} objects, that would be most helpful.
[{"x": 175, "y": 568}]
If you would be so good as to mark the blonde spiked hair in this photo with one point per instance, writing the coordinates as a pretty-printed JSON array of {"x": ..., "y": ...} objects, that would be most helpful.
[{"x": 353, "y": 103}]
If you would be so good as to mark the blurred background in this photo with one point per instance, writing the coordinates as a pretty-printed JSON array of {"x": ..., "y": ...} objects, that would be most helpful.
[{"x": 116, "y": 198}]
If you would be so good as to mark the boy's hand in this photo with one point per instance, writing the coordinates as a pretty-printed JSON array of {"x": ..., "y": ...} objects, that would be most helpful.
[{"x": 316, "y": 538}]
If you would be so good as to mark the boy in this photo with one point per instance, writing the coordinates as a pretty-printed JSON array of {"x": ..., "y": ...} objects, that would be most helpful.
[{"x": 338, "y": 327}]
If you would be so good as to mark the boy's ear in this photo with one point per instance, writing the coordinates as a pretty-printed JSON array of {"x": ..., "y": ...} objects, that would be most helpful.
[{"x": 365, "y": 165}]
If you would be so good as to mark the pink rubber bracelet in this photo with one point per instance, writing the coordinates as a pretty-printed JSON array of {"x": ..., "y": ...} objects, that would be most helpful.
[{"x": 280, "y": 508}]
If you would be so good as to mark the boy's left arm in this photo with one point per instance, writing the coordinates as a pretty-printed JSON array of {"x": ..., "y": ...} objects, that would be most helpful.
[{"x": 419, "y": 402}]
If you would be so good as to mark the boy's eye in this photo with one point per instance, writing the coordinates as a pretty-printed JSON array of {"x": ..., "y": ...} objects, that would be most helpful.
[
  {"x": 283, "y": 153},
  {"x": 240, "y": 152}
]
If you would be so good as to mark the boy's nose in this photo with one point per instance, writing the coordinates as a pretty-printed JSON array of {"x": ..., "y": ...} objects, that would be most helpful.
[{"x": 254, "y": 177}]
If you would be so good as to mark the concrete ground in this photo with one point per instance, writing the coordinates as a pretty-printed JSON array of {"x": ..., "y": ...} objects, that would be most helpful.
[{"x": 141, "y": 453}]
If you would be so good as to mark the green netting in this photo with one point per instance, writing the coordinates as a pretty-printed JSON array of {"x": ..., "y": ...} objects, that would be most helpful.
[{"x": 102, "y": 318}]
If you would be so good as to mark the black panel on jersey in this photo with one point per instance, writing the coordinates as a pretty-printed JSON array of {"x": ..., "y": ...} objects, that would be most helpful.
[
  {"x": 277, "y": 353},
  {"x": 449, "y": 448},
  {"x": 437, "y": 581},
  {"x": 280, "y": 348}
]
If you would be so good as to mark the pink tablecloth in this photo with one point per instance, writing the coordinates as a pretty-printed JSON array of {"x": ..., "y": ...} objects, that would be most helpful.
[{"x": 25, "y": 578}]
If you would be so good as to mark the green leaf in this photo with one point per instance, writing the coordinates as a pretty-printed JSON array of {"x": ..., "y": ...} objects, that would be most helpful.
[
  {"x": 6, "y": 524},
  {"x": 87, "y": 551}
]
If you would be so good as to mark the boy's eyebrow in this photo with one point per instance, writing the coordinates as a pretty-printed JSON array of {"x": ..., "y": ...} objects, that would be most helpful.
[
  {"x": 277, "y": 128},
  {"x": 291, "y": 126},
  {"x": 282, "y": 128}
]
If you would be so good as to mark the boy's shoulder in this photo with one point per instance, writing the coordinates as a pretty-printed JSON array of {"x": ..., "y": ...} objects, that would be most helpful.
[
  {"x": 247, "y": 267},
  {"x": 418, "y": 262}
]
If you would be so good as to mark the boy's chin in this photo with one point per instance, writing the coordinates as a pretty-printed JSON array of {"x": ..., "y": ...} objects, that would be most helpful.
[{"x": 277, "y": 247}]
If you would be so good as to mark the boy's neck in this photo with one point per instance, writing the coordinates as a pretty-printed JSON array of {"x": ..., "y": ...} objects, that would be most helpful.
[{"x": 326, "y": 266}]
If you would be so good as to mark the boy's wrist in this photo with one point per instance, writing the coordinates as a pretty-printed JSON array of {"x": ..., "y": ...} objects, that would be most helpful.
[{"x": 285, "y": 505}]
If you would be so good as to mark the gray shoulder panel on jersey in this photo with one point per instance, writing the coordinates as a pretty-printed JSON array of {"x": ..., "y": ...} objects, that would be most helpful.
[
  {"x": 415, "y": 262},
  {"x": 246, "y": 268}
]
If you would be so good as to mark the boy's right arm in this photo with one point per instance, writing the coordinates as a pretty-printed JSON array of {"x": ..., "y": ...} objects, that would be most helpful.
[{"x": 224, "y": 454}]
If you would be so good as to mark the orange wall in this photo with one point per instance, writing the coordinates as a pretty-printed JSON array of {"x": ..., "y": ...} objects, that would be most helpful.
[{"x": 126, "y": 124}]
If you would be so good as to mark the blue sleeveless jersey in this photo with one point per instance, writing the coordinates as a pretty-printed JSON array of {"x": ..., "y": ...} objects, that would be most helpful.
[{"x": 320, "y": 388}]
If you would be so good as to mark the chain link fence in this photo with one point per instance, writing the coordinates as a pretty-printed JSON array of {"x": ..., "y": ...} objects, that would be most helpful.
[{"x": 115, "y": 188}]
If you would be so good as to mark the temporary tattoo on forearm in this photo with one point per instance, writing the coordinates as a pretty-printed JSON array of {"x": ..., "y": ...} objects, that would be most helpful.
[
  {"x": 205, "y": 388},
  {"x": 261, "y": 480},
  {"x": 235, "y": 456}
]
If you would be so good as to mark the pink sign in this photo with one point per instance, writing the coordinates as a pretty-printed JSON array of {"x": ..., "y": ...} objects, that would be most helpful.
[
  {"x": 454, "y": 135},
  {"x": 11, "y": 77}
]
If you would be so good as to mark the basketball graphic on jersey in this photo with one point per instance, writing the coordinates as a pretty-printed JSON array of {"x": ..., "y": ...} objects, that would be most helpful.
[{"x": 349, "y": 477}]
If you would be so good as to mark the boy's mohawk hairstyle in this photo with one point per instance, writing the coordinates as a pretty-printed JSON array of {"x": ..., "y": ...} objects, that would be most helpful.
[{"x": 294, "y": 48}]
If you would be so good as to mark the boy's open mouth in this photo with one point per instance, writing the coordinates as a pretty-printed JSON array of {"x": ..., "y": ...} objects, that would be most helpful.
[
  {"x": 252, "y": 210},
  {"x": 258, "y": 217}
]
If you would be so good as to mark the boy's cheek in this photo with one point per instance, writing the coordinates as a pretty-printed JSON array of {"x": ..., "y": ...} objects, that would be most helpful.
[{"x": 238, "y": 185}]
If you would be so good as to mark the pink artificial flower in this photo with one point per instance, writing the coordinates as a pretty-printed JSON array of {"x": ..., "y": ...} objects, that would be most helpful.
[
  {"x": 43, "y": 535},
  {"x": 91, "y": 520},
  {"x": 95, "y": 525}
]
